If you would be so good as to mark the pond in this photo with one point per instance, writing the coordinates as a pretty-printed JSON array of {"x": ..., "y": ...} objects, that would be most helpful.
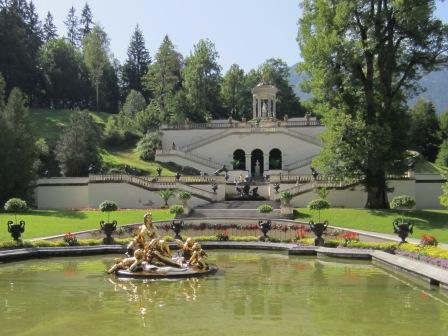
[{"x": 254, "y": 293}]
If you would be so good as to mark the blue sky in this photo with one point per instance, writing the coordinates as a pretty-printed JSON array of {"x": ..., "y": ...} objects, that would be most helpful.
[{"x": 246, "y": 32}]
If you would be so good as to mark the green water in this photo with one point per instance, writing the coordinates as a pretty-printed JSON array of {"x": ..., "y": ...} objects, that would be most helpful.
[{"x": 254, "y": 294}]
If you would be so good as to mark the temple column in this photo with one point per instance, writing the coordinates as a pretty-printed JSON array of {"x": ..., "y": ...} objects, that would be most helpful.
[
  {"x": 254, "y": 107},
  {"x": 260, "y": 112},
  {"x": 275, "y": 106}
]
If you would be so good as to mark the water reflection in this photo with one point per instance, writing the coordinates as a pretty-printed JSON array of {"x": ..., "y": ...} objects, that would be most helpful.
[{"x": 253, "y": 294}]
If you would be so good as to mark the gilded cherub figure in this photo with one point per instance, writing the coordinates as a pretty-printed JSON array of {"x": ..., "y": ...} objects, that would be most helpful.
[
  {"x": 132, "y": 263},
  {"x": 148, "y": 230},
  {"x": 199, "y": 257},
  {"x": 186, "y": 247}
]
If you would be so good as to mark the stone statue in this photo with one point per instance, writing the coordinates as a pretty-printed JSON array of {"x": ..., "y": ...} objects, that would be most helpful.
[
  {"x": 264, "y": 109},
  {"x": 257, "y": 168}
]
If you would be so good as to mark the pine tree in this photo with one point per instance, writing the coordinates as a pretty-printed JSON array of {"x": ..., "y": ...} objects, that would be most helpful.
[
  {"x": 49, "y": 29},
  {"x": 17, "y": 146},
  {"x": 137, "y": 62},
  {"x": 33, "y": 23},
  {"x": 163, "y": 78},
  {"x": 72, "y": 24},
  {"x": 86, "y": 20}
]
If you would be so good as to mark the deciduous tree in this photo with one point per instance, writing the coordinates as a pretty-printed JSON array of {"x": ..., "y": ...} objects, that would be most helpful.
[{"x": 361, "y": 58}]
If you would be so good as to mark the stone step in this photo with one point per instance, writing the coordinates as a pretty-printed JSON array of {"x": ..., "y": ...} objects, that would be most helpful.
[
  {"x": 241, "y": 205},
  {"x": 233, "y": 213}
]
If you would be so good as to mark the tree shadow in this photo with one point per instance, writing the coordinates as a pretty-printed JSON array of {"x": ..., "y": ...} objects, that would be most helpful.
[
  {"x": 61, "y": 214},
  {"x": 422, "y": 219},
  {"x": 301, "y": 215}
]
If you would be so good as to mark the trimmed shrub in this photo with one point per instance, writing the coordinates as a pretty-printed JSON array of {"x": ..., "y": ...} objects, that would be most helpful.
[
  {"x": 16, "y": 205},
  {"x": 108, "y": 206},
  {"x": 265, "y": 208},
  {"x": 318, "y": 205},
  {"x": 184, "y": 195},
  {"x": 403, "y": 202},
  {"x": 177, "y": 209}
]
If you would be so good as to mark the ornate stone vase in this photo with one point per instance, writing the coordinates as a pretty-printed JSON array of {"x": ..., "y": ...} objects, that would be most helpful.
[
  {"x": 108, "y": 229},
  {"x": 403, "y": 229},
  {"x": 16, "y": 230},
  {"x": 265, "y": 227},
  {"x": 318, "y": 229},
  {"x": 177, "y": 226}
]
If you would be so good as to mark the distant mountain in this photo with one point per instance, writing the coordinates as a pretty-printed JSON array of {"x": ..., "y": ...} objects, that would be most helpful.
[{"x": 435, "y": 83}]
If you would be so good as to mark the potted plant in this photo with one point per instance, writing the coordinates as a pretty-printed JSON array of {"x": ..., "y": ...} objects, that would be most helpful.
[
  {"x": 166, "y": 194},
  {"x": 265, "y": 226},
  {"x": 318, "y": 228},
  {"x": 402, "y": 226},
  {"x": 108, "y": 227},
  {"x": 177, "y": 226},
  {"x": 184, "y": 196},
  {"x": 15, "y": 206},
  {"x": 285, "y": 208}
]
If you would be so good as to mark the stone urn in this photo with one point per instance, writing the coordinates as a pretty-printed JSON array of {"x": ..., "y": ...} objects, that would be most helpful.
[
  {"x": 265, "y": 226},
  {"x": 177, "y": 226},
  {"x": 318, "y": 229},
  {"x": 403, "y": 229},
  {"x": 108, "y": 229},
  {"x": 16, "y": 230}
]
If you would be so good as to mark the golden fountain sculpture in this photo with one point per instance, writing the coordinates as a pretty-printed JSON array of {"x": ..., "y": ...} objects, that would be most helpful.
[{"x": 149, "y": 256}]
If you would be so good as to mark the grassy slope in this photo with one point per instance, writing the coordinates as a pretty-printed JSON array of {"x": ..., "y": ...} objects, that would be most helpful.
[
  {"x": 434, "y": 222},
  {"x": 49, "y": 123},
  {"x": 41, "y": 223},
  {"x": 130, "y": 158}
]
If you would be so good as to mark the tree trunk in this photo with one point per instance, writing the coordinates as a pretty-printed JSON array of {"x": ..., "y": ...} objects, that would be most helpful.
[
  {"x": 97, "y": 98},
  {"x": 376, "y": 187}
]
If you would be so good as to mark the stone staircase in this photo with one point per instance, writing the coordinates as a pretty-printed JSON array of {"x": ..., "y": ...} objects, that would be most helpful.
[{"x": 235, "y": 209}]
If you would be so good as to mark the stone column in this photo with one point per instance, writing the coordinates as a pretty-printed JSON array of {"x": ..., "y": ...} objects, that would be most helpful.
[
  {"x": 254, "y": 107},
  {"x": 275, "y": 107},
  {"x": 248, "y": 162},
  {"x": 265, "y": 161},
  {"x": 259, "y": 109}
]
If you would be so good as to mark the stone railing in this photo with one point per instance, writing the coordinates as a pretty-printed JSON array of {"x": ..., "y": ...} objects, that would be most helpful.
[
  {"x": 238, "y": 124},
  {"x": 155, "y": 184},
  {"x": 191, "y": 157}
]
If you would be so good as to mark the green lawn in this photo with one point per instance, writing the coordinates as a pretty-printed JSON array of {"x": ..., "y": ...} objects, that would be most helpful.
[
  {"x": 434, "y": 222},
  {"x": 40, "y": 223},
  {"x": 48, "y": 123},
  {"x": 129, "y": 157}
]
